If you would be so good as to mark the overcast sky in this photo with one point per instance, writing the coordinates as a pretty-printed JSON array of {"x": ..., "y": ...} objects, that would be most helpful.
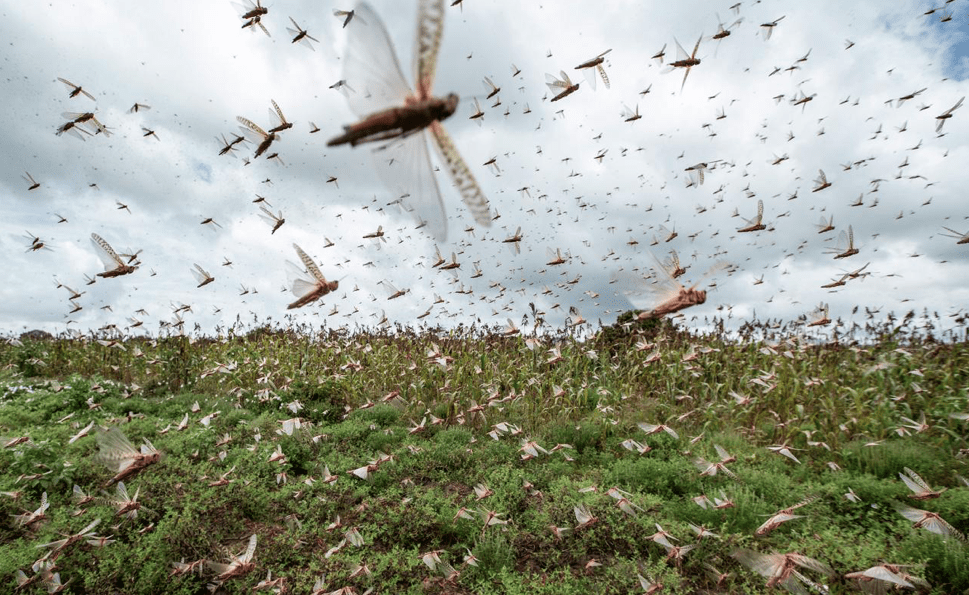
[{"x": 198, "y": 69}]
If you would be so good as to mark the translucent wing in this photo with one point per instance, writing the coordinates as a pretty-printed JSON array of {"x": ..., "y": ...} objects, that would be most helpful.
[
  {"x": 644, "y": 583},
  {"x": 405, "y": 168},
  {"x": 914, "y": 481},
  {"x": 90, "y": 527},
  {"x": 116, "y": 451},
  {"x": 44, "y": 504},
  {"x": 811, "y": 564},
  {"x": 644, "y": 292},
  {"x": 371, "y": 66},
  {"x": 200, "y": 277},
  {"x": 251, "y": 130},
  {"x": 843, "y": 242},
  {"x": 716, "y": 268},
  {"x": 310, "y": 265},
  {"x": 106, "y": 253},
  {"x": 112, "y": 440},
  {"x": 247, "y": 557},
  {"x": 477, "y": 110},
  {"x": 883, "y": 574},
  {"x": 252, "y": 126},
  {"x": 489, "y": 86},
  {"x": 557, "y": 85},
  {"x": 305, "y": 39},
  {"x": 268, "y": 216},
  {"x": 553, "y": 83},
  {"x": 939, "y": 526},
  {"x": 590, "y": 76},
  {"x": 200, "y": 274},
  {"x": 226, "y": 147},
  {"x": 665, "y": 276},
  {"x": 705, "y": 466},
  {"x": 430, "y": 30},
  {"x": 795, "y": 583},
  {"x": 760, "y": 214},
  {"x": 278, "y": 111},
  {"x": 955, "y": 234},
  {"x": 461, "y": 175},
  {"x": 760, "y": 563},
  {"x": 298, "y": 284},
  {"x": 820, "y": 313},
  {"x": 244, "y": 7},
  {"x": 671, "y": 263},
  {"x": 697, "y": 46},
  {"x": 582, "y": 513},
  {"x": 696, "y": 174},
  {"x": 123, "y": 492},
  {"x": 276, "y": 116},
  {"x": 148, "y": 448},
  {"x": 680, "y": 52},
  {"x": 913, "y": 514},
  {"x": 777, "y": 519},
  {"x": 602, "y": 73}
]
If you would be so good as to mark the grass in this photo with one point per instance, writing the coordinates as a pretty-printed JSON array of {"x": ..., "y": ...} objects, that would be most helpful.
[{"x": 420, "y": 407}]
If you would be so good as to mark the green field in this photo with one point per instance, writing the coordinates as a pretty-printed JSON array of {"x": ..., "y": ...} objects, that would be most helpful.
[{"x": 436, "y": 414}]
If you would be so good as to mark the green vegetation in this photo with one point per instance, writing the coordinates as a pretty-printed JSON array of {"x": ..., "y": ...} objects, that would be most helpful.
[{"x": 428, "y": 417}]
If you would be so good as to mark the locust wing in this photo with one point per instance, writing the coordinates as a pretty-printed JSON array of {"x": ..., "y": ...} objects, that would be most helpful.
[
  {"x": 371, "y": 66},
  {"x": 556, "y": 84},
  {"x": 252, "y": 131},
  {"x": 430, "y": 30},
  {"x": 404, "y": 166},
  {"x": 250, "y": 550},
  {"x": 671, "y": 264},
  {"x": 276, "y": 115},
  {"x": 461, "y": 175},
  {"x": 883, "y": 574},
  {"x": 147, "y": 448},
  {"x": 115, "y": 450},
  {"x": 298, "y": 284},
  {"x": 680, "y": 52},
  {"x": 718, "y": 266},
  {"x": 106, "y": 253},
  {"x": 647, "y": 292},
  {"x": 310, "y": 265}
]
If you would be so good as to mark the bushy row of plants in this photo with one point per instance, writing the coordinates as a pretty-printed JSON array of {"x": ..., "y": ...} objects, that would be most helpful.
[{"x": 418, "y": 408}]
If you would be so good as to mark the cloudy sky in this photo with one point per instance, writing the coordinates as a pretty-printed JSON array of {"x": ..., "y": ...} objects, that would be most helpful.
[{"x": 198, "y": 69}]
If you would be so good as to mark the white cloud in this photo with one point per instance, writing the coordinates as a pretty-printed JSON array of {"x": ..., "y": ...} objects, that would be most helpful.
[{"x": 198, "y": 70}]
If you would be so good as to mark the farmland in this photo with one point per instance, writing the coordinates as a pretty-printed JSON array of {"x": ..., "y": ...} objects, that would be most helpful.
[{"x": 468, "y": 461}]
